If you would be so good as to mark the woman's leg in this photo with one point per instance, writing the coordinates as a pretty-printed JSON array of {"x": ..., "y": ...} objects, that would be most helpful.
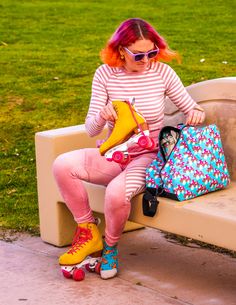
[
  {"x": 119, "y": 193},
  {"x": 71, "y": 168},
  {"x": 117, "y": 209}
]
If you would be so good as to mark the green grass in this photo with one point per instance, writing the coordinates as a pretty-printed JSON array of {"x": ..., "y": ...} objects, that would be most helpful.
[{"x": 49, "y": 51}]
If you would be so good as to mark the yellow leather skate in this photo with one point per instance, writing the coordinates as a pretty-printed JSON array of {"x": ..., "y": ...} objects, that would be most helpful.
[
  {"x": 87, "y": 242},
  {"x": 128, "y": 123}
]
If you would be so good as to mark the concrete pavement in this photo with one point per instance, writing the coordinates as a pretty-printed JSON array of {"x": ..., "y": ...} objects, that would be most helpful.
[{"x": 153, "y": 270}]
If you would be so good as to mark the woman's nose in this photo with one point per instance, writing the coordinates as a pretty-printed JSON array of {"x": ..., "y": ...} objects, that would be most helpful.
[{"x": 145, "y": 59}]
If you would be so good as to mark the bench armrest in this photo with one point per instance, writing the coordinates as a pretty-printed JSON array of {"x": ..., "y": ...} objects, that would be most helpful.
[
  {"x": 50, "y": 144},
  {"x": 67, "y": 138}
]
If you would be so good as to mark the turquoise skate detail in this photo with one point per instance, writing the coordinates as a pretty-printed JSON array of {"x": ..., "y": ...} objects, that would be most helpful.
[{"x": 109, "y": 265}]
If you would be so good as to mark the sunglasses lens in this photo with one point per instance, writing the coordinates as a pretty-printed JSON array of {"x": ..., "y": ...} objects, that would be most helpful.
[
  {"x": 152, "y": 54},
  {"x": 139, "y": 57}
]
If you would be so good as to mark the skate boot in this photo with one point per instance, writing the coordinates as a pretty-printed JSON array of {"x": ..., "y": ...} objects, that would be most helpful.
[
  {"x": 109, "y": 264},
  {"x": 85, "y": 252},
  {"x": 130, "y": 128}
]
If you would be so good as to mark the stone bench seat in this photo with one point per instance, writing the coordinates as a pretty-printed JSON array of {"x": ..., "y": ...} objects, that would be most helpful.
[{"x": 210, "y": 218}]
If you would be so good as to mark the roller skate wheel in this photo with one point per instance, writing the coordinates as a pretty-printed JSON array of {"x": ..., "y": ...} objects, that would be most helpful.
[
  {"x": 118, "y": 157},
  {"x": 89, "y": 268},
  {"x": 66, "y": 274},
  {"x": 98, "y": 267},
  {"x": 143, "y": 141},
  {"x": 78, "y": 275},
  {"x": 126, "y": 160}
]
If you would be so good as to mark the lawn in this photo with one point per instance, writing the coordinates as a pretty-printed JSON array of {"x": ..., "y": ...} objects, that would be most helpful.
[{"x": 49, "y": 51}]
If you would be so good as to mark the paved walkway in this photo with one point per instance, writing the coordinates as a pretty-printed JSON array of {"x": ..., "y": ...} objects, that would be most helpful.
[{"x": 153, "y": 271}]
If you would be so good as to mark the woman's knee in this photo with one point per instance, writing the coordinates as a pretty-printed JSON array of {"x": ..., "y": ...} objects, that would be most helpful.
[
  {"x": 69, "y": 164},
  {"x": 115, "y": 198}
]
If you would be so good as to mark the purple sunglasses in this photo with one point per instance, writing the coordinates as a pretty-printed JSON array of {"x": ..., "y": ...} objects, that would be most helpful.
[{"x": 140, "y": 56}]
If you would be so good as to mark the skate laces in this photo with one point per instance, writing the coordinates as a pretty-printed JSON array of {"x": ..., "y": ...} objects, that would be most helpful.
[{"x": 82, "y": 236}]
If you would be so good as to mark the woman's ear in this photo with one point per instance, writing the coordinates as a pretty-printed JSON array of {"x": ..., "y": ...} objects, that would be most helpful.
[{"x": 121, "y": 51}]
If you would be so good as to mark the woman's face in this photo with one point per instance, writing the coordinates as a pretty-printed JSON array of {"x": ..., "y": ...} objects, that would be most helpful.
[{"x": 140, "y": 46}]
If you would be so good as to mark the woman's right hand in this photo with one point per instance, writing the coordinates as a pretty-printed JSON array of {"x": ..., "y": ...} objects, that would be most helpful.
[{"x": 108, "y": 113}]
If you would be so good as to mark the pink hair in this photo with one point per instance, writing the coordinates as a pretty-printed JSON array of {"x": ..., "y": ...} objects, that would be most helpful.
[{"x": 127, "y": 33}]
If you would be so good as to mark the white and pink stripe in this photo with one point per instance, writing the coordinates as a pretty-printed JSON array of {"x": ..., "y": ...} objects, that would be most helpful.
[{"x": 149, "y": 89}]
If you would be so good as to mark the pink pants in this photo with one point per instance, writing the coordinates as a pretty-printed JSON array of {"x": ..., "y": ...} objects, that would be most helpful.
[{"x": 122, "y": 183}]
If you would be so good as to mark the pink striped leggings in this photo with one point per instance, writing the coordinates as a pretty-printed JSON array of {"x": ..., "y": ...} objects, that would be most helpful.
[{"x": 122, "y": 183}]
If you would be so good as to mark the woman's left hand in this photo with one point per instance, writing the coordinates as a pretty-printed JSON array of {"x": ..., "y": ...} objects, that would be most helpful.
[{"x": 195, "y": 116}]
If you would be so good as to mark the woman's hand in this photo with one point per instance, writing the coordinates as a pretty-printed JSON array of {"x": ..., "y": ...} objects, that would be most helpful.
[
  {"x": 195, "y": 116},
  {"x": 108, "y": 113}
]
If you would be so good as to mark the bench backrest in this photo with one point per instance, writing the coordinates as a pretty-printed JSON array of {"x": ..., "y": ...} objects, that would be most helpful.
[{"x": 218, "y": 98}]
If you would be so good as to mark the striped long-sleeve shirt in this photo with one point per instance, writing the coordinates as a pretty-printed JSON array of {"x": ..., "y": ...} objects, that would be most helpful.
[{"x": 149, "y": 88}]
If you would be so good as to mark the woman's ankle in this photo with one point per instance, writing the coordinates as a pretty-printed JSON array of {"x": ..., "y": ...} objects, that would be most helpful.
[{"x": 109, "y": 265}]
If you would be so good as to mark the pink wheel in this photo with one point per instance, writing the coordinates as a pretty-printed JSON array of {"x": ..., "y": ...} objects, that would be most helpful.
[
  {"x": 97, "y": 268},
  {"x": 126, "y": 160},
  {"x": 78, "y": 275},
  {"x": 88, "y": 268},
  {"x": 143, "y": 141},
  {"x": 66, "y": 274},
  {"x": 118, "y": 157}
]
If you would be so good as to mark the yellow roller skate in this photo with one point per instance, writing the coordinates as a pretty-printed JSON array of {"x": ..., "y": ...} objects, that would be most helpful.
[
  {"x": 85, "y": 252},
  {"x": 130, "y": 129}
]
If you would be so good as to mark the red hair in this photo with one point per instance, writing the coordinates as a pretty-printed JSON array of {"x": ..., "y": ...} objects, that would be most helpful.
[{"x": 129, "y": 32}]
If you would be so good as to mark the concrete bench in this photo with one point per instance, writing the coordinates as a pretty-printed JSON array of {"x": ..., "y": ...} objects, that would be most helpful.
[{"x": 210, "y": 218}]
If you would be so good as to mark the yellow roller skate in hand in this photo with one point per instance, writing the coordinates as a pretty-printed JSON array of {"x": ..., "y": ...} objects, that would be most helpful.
[{"x": 130, "y": 129}]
